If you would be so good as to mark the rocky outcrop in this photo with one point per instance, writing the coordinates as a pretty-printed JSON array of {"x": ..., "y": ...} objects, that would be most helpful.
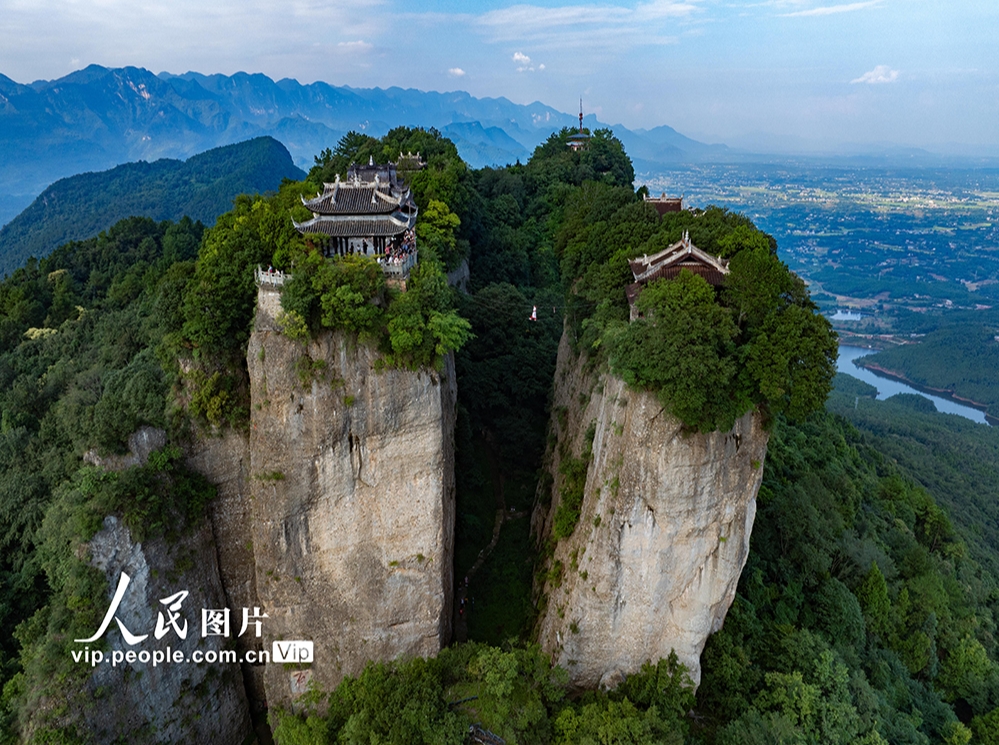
[
  {"x": 180, "y": 700},
  {"x": 141, "y": 444},
  {"x": 352, "y": 501},
  {"x": 172, "y": 701},
  {"x": 653, "y": 563}
]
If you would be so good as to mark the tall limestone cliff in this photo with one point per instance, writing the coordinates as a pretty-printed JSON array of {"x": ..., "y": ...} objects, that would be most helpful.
[
  {"x": 351, "y": 503},
  {"x": 134, "y": 700},
  {"x": 225, "y": 461},
  {"x": 663, "y": 532}
]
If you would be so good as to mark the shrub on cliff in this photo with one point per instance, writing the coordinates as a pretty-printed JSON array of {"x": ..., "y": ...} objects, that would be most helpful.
[
  {"x": 684, "y": 349},
  {"x": 412, "y": 329},
  {"x": 220, "y": 299}
]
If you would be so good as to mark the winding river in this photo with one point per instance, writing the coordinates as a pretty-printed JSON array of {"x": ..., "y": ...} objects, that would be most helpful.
[{"x": 890, "y": 386}]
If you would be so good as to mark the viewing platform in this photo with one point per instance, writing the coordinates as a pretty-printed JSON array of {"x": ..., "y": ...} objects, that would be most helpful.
[
  {"x": 272, "y": 277},
  {"x": 398, "y": 267}
]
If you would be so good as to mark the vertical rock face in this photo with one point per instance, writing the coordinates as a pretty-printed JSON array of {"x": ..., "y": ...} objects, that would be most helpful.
[
  {"x": 181, "y": 702},
  {"x": 225, "y": 461},
  {"x": 655, "y": 558},
  {"x": 352, "y": 494}
]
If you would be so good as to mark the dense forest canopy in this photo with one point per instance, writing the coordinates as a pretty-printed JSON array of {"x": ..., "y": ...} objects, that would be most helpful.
[{"x": 862, "y": 615}]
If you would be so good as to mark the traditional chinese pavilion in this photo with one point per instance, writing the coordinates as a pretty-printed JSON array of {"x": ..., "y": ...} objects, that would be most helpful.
[
  {"x": 665, "y": 204},
  {"x": 668, "y": 263},
  {"x": 370, "y": 213},
  {"x": 579, "y": 140}
]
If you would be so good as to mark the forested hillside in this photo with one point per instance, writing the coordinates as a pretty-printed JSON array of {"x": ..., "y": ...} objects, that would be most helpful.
[
  {"x": 81, "y": 367},
  {"x": 202, "y": 188},
  {"x": 955, "y": 459},
  {"x": 863, "y": 614}
]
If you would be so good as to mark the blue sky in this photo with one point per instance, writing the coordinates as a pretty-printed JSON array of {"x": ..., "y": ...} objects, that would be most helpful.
[{"x": 809, "y": 74}]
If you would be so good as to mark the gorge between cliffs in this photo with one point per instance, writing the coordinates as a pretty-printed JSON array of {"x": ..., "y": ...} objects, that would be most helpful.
[{"x": 337, "y": 515}]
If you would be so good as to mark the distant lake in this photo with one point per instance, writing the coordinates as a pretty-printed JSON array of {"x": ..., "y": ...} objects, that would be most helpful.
[
  {"x": 890, "y": 386},
  {"x": 846, "y": 315}
]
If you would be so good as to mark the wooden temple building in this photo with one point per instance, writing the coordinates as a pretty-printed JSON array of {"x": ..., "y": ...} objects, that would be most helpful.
[
  {"x": 665, "y": 204},
  {"x": 370, "y": 213},
  {"x": 668, "y": 263}
]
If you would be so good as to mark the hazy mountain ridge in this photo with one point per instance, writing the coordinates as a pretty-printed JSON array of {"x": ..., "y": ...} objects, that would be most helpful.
[
  {"x": 203, "y": 187},
  {"x": 96, "y": 118}
]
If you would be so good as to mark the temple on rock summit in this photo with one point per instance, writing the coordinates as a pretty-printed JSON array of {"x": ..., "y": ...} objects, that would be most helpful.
[
  {"x": 370, "y": 213},
  {"x": 668, "y": 263}
]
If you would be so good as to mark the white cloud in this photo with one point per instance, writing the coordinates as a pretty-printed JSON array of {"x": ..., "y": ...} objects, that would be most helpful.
[
  {"x": 880, "y": 74},
  {"x": 828, "y": 10},
  {"x": 456, "y": 72},
  {"x": 355, "y": 46},
  {"x": 180, "y": 35},
  {"x": 590, "y": 26},
  {"x": 523, "y": 62}
]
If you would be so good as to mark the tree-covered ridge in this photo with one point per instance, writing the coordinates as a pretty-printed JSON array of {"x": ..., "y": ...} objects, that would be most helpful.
[
  {"x": 711, "y": 355},
  {"x": 202, "y": 188},
  {"x": 83, "y": 363},
  {"x": 954, "y": 458},
  {"x": 858, "y": 594},
  {"x": 861, "y": 616}
]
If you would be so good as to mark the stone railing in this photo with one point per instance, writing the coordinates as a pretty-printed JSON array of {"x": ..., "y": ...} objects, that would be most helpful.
[
  {"x": 272, "y": 277},
  {"x": 398, "y": 267}
]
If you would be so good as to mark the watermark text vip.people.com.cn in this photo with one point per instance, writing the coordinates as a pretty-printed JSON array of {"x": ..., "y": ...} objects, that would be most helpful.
[
  {"x": 291, "y": 651},
  {"x": 215, "y": 622}
]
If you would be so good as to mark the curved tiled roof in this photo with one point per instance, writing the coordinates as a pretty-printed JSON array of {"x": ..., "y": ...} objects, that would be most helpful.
[
  {"x": 668, "y": 263},
  {"x": 681, "y": 255},
  {"x": 357, "y": 199},
  {"x": 345, "y": 227}
]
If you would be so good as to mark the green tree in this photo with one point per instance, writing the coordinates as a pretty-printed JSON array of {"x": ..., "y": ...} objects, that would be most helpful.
[
  {"x": 610, "y": 722},
  {"x": 684, "y": 349},
  {"x": 965, "y": 670},
  {"x": 353, "y": 298},
  {"x": 353, "y": 147},
  {"x": 985, "y": 728},
  {"x": 436, "y": 230},
  {"x": 874, "y": 600},
  {"x": 792, "y": 360}
]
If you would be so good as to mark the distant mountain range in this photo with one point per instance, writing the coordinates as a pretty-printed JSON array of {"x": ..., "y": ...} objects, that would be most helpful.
[
  {"x": 202, "y": 188},
  {"x": 96, "y": 118}
]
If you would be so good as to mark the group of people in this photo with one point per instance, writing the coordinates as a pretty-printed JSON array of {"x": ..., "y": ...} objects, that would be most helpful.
[{"x": 396, "y": 253}]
